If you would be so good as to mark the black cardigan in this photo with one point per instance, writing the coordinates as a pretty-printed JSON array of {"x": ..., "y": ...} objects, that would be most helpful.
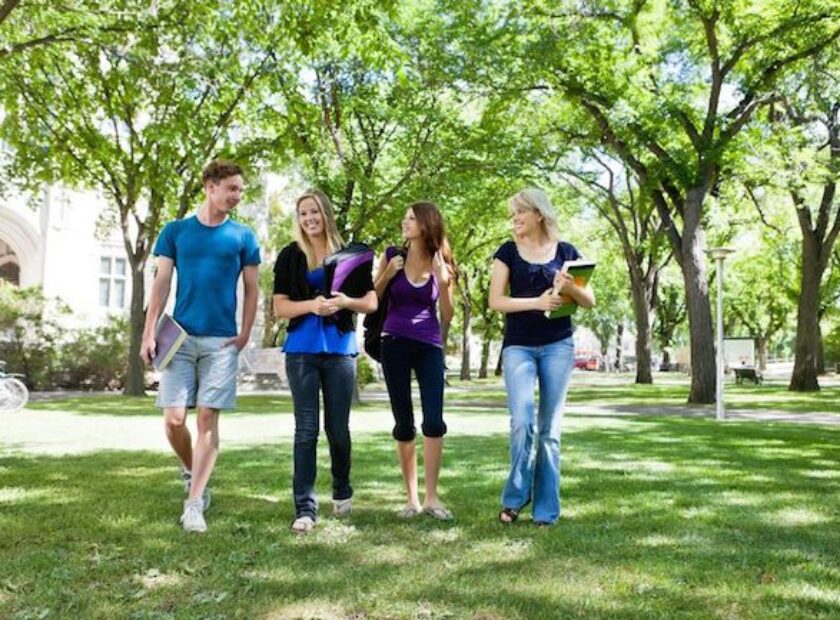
[{"x": 290, "y": 271}]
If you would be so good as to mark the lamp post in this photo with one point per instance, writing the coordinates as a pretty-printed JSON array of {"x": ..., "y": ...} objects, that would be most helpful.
[{"x": 719, "y": 254}]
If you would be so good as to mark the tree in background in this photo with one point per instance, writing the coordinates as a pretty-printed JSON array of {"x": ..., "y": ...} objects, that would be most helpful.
[
  {"x": 761, "y": 292},
  {"x": 612, "y": 189},
  {"x": 669, "y": 87},
  {"x": 612, "y": 303},
  {"x": 804, "y": 156},
  {"x": 138, "y": 111},
  {"x": 670, "y": 316}
]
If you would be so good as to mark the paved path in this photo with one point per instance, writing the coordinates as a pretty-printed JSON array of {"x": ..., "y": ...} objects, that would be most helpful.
[{"x": 64, "y": 432}]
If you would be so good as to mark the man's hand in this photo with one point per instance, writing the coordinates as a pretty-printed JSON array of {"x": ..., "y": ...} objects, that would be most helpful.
[
  {"x": 148, "y": 348},
  {"x": 239, "y": 342}
]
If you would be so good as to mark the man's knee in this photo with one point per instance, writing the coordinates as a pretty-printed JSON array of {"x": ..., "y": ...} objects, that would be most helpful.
[
  {"x": 206, "y": 418},
  {"x": 175, "y": 417}
]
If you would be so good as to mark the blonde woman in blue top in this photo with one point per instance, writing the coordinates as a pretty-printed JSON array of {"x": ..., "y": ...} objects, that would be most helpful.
[
  {"x": 320, "y": 346},
  {"x": 536, "y": 349}
]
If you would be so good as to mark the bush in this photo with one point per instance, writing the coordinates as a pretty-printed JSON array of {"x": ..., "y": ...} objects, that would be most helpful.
[
  {"x": 96, "y": 358},
  {"x": 50, "y": 356},
  {"x": 28, "y": 336},
  {"x": 364, "y": 371},
  {"x": 831, "y": 346}
]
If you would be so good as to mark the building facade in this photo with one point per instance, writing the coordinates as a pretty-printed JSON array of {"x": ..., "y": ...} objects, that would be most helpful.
[{"x": 56, "y": 239}]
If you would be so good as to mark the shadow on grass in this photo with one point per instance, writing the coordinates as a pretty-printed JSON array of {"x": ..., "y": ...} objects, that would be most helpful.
[{"x": 661, "y": 517}]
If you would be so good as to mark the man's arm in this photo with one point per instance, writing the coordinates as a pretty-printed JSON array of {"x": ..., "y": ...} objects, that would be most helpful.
[
  {"x": 250, "y": 278},
  {"x": 157, "y": 302}
]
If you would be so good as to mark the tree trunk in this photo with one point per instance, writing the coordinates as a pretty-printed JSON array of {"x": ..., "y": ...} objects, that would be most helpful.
[
  {"x": 693, "y": 263},
  {"x": 761, "y": 347},
  {"x": 820, "y": 351},
  {"x": 618, "y": 348},
  {"x": 485, "y": 358},
  {"x": 644, "y": 337},
  {"x": 804, "y": 377},
  {"x": 466, "y": 308},
  {"x": 666, "y": 358},
  {"x": 135, "y": 382},
  {"x": 357, "y": 394},
  {"x": 498, "y": 371},
  {"x": 268, "y": 322}
]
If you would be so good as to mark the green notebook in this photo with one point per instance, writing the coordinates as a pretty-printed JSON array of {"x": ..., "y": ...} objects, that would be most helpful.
[{"x": 581, "y": 271}]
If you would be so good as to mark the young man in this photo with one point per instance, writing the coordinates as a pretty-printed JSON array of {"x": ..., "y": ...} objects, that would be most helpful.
[{"x": 209, "y": 252}]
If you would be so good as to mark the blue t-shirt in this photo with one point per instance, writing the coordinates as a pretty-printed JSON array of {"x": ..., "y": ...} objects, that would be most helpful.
[
  {"x": 314, "y": 334},
  {"x": 208, "y": 260},
  {"x": 531, "y": 327}
]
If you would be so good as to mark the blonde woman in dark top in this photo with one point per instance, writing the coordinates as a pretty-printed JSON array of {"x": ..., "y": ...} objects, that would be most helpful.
[{"x": 536, "y": 349}]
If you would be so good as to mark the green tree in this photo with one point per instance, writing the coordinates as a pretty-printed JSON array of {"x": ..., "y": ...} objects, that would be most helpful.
[
  {"x": 137, "y": 114},
  {"x": 804, "y": 124},
  {"x": 669, "y": 86},
  {"x": 670, "y": 315},
  {"x": 612, "y": 310},
  {"x": 627, "y": 208},
  {"x": 32, "y": 333},
  {"x": 761, "y": 291}
]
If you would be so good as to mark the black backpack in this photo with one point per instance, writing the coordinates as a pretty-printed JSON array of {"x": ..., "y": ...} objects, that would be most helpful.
[{"x": 373, "y": 322}]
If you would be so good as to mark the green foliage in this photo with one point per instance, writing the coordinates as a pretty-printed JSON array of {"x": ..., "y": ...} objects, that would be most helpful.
[
  {"x": 610, "y": 284},
  {"x": 30, "y": 335},
  {"x": 671, "y": 314},
  {"x": 34, "y": 343},
  {"x": 831, "y": 345},
  {"x": 94, "y": 358},
  {"x": 364, "y": 371}
]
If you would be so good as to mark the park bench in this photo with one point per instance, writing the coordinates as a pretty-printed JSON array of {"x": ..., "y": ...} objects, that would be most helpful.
[{"x": 748, "y": 374}]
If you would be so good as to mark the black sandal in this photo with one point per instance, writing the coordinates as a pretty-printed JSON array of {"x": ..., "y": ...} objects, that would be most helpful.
[{"x": 512, "y": 515}]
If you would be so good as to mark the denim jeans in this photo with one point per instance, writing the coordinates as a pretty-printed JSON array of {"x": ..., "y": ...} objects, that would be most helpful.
[
  {"x": 310, "y": 374},
  {"x": 399, "y": 357},
  {"x": 535, "y": 473}
]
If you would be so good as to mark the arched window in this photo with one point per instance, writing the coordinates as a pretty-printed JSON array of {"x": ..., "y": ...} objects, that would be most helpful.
[{"x": 9, "y": 264}]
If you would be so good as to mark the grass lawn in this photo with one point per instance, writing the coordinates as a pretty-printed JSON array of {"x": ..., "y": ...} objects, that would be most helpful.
[
  {"x": 587, "y": 389},
  {"x": 662, "y": 517}
]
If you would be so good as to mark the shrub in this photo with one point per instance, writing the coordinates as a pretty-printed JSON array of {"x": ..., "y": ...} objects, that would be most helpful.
[{"x": 364, "y": 371}]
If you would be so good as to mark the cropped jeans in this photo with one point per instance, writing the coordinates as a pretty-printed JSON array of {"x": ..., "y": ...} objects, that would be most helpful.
[{"x": 535, "y": 470}]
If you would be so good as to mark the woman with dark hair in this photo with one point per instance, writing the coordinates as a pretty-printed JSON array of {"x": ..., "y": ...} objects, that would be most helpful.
[
  {"x": 320, "y": 346},
  {"x": 416, "y": 279},
  {"x": 536, "y": 349}
]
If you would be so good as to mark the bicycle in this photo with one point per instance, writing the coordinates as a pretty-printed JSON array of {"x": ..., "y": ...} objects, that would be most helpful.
[{"x": 13, "y": 392}]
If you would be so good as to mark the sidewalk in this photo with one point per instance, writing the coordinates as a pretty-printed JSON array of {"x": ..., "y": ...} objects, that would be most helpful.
[{"x": 64, "y": 432}]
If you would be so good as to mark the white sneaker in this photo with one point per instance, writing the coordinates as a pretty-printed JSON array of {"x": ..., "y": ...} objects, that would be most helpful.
[
  {"x": 193, "y": 518},
  {"x": 342, "y": 507},
  {"x": 206, "y": 495}
]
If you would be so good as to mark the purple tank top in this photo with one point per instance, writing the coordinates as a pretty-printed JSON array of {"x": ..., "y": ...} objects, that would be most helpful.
[{"x": 412, "y": 309}]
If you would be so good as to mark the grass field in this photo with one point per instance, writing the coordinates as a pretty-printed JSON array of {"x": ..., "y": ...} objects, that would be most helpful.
[
  {"x": 662, "y": 517},
  {"x": 587, "y": 389}
]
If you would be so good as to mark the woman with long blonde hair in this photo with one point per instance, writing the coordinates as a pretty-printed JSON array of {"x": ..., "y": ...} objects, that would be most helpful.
[
  {"x": 527, "y": 273},
  {"x": 320, "y": 346}
]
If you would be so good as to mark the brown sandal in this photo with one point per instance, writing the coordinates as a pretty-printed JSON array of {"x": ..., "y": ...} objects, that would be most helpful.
[{"x": 512, "y": 515}]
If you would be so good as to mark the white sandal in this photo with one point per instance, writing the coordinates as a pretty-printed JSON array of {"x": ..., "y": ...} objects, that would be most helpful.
[
  {"x": 342, "y": 507},
  {"x": 303, "y": 525}
]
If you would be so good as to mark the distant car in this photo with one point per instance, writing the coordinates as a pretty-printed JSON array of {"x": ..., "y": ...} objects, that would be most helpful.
[{"x": 588, "y": 362}]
